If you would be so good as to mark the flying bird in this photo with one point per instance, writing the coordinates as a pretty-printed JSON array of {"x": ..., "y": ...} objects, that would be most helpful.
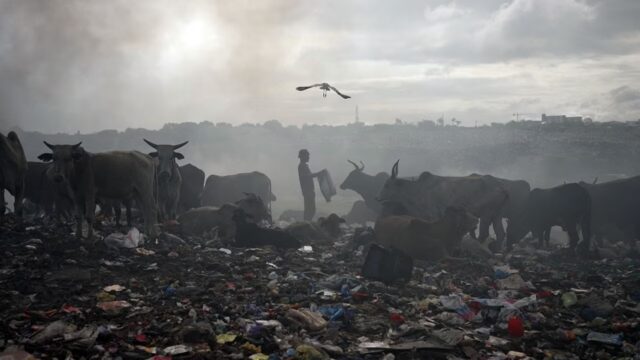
[{"x": 324, "y": 87}]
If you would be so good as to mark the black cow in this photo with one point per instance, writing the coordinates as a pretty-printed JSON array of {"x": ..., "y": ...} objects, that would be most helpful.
[
  {"x": 566, "y": 205},
  {"x": 49, "y": 196},
  {"x": 191, "y": 187},
  {"x": 615, "y": 204}
]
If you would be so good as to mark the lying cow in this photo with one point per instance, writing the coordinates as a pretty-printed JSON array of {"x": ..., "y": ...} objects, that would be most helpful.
[
  {"x": 615, "y": 205},
  {"x": 168, "y": 178},
  {"x": 331, "y": 225},
  {"x": 566, "y": 205},
  {"x": 199, "y": 221},
  {"x": 428, "y": 196},
  {"x": 424, "y": 240},
  {"x": 249, "y": 234},
  {"x": 13, "y": 170},
  {"x": 120, "y": 175}
]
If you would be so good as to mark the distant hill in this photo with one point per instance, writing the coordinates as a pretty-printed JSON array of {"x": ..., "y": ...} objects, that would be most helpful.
[{"x": 545, "y": 155}]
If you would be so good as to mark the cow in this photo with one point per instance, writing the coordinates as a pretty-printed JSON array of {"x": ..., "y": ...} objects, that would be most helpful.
[
  {"x": 425, "y": 240},
  {"x": 331, "y": 225},
  {"x": 567, "y": 205},
  {"x": 429, "y": 195},
  {"x": 615, "y": 204},
  {"x": 219, "y": 190},
  {"x": 360, "y": 213},
  {"x": 168, "y": 178},
  {"x": 120, "y": 175},
  {"x": 13, "y": 170},
  {"x": 249, "y": 234},
  {"x": 198, "y": 221},
  {"x": 38, "y": 189},
  {"x": 191, "y": 187},
  {"x": 367, "y": 186}
]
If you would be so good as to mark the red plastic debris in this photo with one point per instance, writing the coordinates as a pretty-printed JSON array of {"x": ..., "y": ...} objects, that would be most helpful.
[
  {"x": 515, "y": 327},
  {"x": 396, "y": 319}
]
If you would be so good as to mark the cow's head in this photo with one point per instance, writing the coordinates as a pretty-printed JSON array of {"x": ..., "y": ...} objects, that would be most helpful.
[
  {"x": 355, "y": 177},
  {"x": 166, "y": 155},
  {"x": 395, "y": 190},
  {"x": 253, "y": 205},
  {"x": 65, "y": 158}
]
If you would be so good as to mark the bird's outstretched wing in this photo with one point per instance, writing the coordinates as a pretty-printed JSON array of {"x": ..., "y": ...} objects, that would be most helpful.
[
  {"x": 339, "y": 93},
  {"x": 302, "y": 88}
]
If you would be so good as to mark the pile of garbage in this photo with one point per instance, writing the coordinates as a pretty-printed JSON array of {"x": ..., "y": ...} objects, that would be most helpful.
[{"x": 124, "y": 296}]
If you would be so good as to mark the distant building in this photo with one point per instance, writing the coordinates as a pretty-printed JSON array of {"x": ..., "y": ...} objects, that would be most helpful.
[{"x": 561, "y": 119}]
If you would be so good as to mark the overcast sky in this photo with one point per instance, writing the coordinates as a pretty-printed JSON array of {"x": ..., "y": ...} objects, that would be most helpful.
[{"x": 68, "y": 65}]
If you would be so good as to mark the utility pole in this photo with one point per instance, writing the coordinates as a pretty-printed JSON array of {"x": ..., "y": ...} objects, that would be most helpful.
[{"x": 357, "y": 115}]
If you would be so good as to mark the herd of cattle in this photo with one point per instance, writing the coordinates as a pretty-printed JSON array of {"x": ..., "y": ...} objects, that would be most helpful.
[{"x": 426, "y": 215}]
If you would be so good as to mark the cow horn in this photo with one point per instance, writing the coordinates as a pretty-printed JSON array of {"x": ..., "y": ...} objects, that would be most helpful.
[
  {"x": 394, "y": 170},
  {"x": 48, "y": 145},
  {"x": 361, "y": 163},
  {"x": 151, "y": 144},
  {"x": 176, "y": 147},
  {"x": 595, "y": 181},
  {"x": 76, "y": 145},
  {"x": 354, "y": 164}
]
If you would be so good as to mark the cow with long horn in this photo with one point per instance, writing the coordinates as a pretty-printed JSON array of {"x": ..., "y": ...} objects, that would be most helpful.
[
  {"x": 115, "y": 175},
  {"x": 368, "y": 186},
  {"x": 168, "y": 178}
]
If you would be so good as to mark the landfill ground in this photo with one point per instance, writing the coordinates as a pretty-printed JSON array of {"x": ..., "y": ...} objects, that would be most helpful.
[{"x": 187, "y": 297}]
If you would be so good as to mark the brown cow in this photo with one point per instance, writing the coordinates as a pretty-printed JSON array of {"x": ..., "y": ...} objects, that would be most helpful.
[
  {"x": 424, "y": 240},
  {"x": 13, "y": 170},
  {"x": 122, "y": 175}
]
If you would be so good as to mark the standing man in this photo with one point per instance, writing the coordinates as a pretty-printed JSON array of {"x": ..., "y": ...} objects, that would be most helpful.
[{"x": 306, "y": 185}]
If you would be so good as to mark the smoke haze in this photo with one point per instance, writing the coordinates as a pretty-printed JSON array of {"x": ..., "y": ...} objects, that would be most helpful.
[{"x": 71, "y": 65}]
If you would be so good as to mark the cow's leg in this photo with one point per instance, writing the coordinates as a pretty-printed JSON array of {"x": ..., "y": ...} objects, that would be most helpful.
[
  {"x": 90, "y": 213},
  {"x": 538, "y": 233},
  {"x": 3, "y": 206},
  {"x": 498, "y": 228},
  {"x": 17, "y": 203},
  {"x": 117, "y": 212},
  {"x": 146, "y": 200},
  {"x": 127, "y": 205},
  {"x": 585, "y": 229},
  {"x": 573, "y": 235},
  {"x": 547, "y": 236},
  {"x": 484, "y": 229},
  {"x": 79, "y": 208}
]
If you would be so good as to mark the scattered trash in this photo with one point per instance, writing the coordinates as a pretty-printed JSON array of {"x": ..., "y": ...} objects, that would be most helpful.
[
  {"x": 114, "y": 288},
  {"x": 609, "y": 339},
  {"x": 201, "y": 297},
  {"x": 130, "y": 240}
]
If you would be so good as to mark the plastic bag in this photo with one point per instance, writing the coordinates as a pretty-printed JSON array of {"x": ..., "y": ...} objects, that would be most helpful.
[{"x": 326, "y": 185}]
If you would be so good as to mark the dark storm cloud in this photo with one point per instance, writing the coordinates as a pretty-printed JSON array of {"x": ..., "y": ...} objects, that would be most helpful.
[{"x": 85, "y": 65}]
